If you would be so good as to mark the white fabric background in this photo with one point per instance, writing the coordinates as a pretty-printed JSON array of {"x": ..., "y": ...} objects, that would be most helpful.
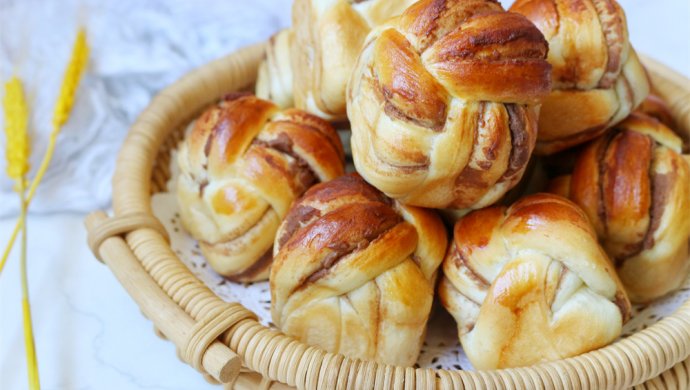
[
  {"x": 141, "y": 46},
  {"x": 89, "y": 333}
]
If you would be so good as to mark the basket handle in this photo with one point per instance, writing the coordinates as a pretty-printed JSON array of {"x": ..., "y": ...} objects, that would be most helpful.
[{"x": 191, "y": 337}]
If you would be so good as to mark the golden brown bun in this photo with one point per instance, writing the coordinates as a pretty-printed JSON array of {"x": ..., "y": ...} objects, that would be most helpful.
[
  {"x": 242, "y": 164},
  {"x": 328, "y": 38},
  {"x": 443, "y": 103},
  {"x": 354, "y": 272},
  {"x": 634, "y": 185},
  {"x": 274, "y": 81},
  {"x": 597, "y": 77},
  {"x": 530, "y": 283}
]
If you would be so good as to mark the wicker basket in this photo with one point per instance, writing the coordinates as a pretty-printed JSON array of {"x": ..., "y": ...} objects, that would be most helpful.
[{"x": 224, "y": 340}]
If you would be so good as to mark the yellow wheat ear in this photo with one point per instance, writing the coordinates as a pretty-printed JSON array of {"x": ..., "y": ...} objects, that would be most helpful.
[
  {"x": 63, "y": 107},
  {"x": 17, "y": 136},
  {"x": 16, "y": 130},
  {"x": 70, "y": 82}
]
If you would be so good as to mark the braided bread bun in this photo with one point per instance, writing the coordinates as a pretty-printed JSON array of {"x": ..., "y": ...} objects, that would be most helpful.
[
  {"x": 354, "y": 272},
  {"x": 274, "y": 80},
  {"x": 530, "y": 283},
  {"x": 597, "y": 78},
  {"x": 634, "y": 185},
  {"x": 328, "y": 38},
  {"x": 443, "y": 103},
  {"x": 242, "y": 164}
]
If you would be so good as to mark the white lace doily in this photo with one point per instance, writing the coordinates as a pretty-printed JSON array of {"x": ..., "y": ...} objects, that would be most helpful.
[{"x": 441, "y": 348}]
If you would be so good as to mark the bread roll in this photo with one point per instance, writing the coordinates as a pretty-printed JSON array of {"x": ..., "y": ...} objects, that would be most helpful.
[
  {"x": 597, "y": 78},
  {"x": 354, "y": 272},
  {"x": 529, "y": 283},
  {"x": 634, "y": 185},
  {"x": 242, "y": 164},
  {"x": 328, "y": 38},
  {"x": 443, "y": 103}
]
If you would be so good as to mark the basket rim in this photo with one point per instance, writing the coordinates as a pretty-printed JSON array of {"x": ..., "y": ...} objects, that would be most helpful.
[{"x": 627, "y": 362}]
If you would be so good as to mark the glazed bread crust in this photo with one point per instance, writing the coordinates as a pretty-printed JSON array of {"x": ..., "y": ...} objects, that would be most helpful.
[
  {"x": 530, "y": 283},
  {"x": 443, "y": 103},
  {"x": 634, "y": 185},
  {"x": 354, "y": 272},
  {"x": 242, "y": 164},
  {"x": 597, "y": 77}
]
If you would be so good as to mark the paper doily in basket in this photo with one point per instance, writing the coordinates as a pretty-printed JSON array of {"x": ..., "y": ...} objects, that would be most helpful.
[{"x": 441, "y": 348}]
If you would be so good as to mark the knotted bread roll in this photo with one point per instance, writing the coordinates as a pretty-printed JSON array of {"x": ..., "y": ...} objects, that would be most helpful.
[
  {"x": 443, "y": 103},
  {"x": 242, "y": 164},
  {"x": 634, "y": 185},
  {"x": 274, "y": 80},
  {"x": 530, "y": 283},
  {"x": 354, "y": 272},
  {"x": 597, "y": 78},
  {"x": 328, "y": 38}
]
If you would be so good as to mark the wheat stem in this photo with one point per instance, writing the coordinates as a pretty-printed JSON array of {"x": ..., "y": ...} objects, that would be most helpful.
[{"x": 29, "y": 346}]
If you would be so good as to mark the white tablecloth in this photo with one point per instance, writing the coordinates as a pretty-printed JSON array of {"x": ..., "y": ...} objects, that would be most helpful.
[{"x": 89, "y": 333}]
